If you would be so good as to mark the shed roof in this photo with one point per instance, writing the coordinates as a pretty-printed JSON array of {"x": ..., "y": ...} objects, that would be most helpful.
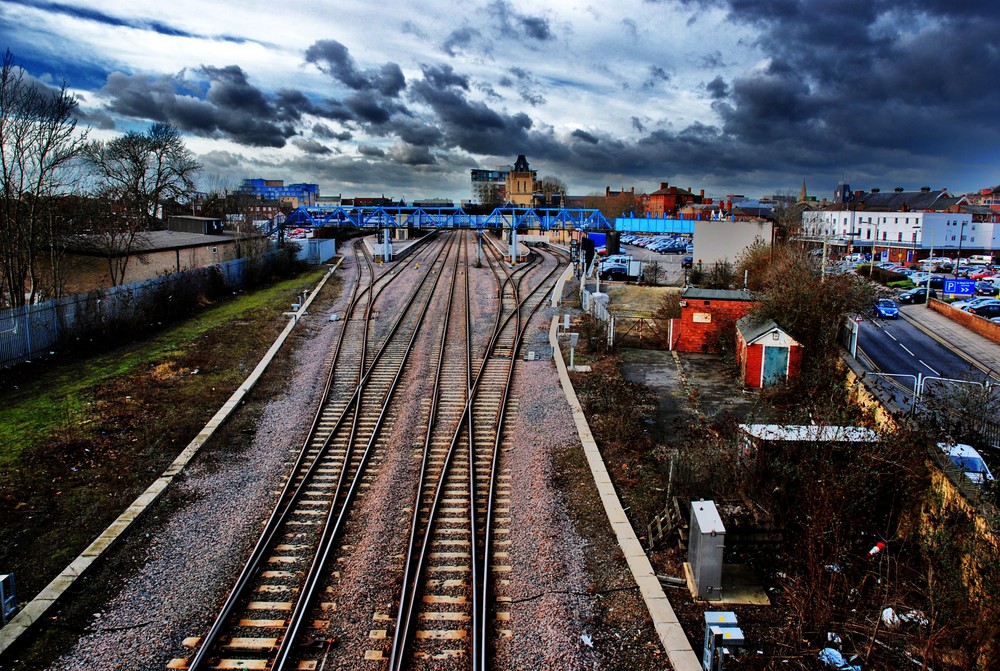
[
  {"x": 717, "y": 294},
  {"x": 754, "y": 329}
]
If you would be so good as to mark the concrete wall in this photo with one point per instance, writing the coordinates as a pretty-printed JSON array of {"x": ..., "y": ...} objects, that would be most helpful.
[
  {"x": 726, "y": 240},
  {"x": 86, "y": 273}
]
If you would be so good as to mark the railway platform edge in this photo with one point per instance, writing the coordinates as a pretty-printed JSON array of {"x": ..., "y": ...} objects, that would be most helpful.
[{"x": 668, "y": 627}]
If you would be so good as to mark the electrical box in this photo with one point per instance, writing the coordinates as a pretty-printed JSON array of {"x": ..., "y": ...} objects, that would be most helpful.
[
  {"x": 8, "y": 597},
  {"x": 705, "y": 549},
  {"x": 722, "y": 635}
]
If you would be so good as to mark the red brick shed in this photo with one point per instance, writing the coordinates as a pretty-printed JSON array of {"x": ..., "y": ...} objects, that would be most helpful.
[
  {"x": 767, "y": 355},
  {"x": 705, "y": 316}
]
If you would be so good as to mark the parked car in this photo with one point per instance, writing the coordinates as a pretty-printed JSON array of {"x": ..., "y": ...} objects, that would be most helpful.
[
  {"x": 616, "y": 272},
  {"x": 986, "y": 289},
  {"x": 918, "y": 295},
  {"x": 886, "y": 308},
  {"x": 987, "y": 310},
  {"x": 969, "y": 302},
  {"x": 687, "y": 262},
  {"x": 937, "y": 282},
  {"x": 967, "y": 458}
]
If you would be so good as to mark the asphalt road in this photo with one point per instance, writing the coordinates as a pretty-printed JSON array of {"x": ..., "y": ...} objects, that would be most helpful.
[{"x": 897, "y": 347}]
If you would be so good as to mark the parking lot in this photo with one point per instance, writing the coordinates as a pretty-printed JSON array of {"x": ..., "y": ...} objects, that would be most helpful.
[{"x": 669, "y": 260}]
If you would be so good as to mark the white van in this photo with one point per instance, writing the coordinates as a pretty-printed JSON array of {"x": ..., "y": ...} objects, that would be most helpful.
[
  {"x": 980, "y": 260},
  {"x": 612, "y": 260}
]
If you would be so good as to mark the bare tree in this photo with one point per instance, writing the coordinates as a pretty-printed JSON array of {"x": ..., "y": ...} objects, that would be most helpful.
[
  {"x": 491, "y": 195},
  {"x": 39, "y": 142},
  {"x": 619, "y": 205},
  {"x": 133, "y": 174},
  {"x": 549, "y": 185}
]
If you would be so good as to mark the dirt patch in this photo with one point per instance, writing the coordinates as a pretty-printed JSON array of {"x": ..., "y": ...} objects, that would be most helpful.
[{"x": 639, "y": 301}]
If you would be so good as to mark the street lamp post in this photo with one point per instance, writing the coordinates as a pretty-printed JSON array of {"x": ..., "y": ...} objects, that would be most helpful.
[{"x": 871, "y": 266}]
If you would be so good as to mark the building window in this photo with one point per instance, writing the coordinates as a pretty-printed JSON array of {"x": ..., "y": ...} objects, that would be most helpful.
[
  {"x": 885, "y": 236},
  {"x": 869, "y": 236},
  {"x": 900, "y": 238}
]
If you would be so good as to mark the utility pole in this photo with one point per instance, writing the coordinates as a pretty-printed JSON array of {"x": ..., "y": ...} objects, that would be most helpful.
[{"x": 871, "y": 266}]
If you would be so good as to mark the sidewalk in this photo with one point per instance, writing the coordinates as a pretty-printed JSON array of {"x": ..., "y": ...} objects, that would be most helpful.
[{"x": 981, "y": 352}]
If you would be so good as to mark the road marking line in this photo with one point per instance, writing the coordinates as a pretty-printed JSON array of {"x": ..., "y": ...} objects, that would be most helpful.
[
  {"x": 928, "y": 367},
  {"x": 891, "y": 336},
  {"x": 907, "y": 349}
]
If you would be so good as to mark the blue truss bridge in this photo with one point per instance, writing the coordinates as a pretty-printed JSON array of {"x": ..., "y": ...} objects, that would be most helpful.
[{"x": 380, "y": 217}]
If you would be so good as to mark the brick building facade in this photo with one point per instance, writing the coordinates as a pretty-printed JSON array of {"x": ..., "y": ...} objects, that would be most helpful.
[{"x": 708, "y": 316}]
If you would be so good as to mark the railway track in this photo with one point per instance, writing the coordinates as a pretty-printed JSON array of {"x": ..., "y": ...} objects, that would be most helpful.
[{"x": 280, "y": 615}]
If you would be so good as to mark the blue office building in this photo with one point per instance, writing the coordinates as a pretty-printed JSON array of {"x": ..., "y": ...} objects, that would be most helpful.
[{"x": 291, "y": 195}]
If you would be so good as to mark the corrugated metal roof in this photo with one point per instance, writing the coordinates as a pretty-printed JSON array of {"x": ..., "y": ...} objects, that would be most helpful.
[{"x": 810, "y": 433}]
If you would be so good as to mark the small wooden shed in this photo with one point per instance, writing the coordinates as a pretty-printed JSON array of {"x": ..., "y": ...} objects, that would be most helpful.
[{"x": 767, "y": 355}]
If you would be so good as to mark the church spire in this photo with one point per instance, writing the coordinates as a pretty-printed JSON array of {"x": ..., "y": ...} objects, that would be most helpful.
[{"x": 802, "y": 194}]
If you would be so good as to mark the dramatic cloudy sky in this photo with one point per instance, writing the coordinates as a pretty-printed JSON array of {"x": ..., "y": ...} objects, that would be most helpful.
[{"x": 365, "y": 98}]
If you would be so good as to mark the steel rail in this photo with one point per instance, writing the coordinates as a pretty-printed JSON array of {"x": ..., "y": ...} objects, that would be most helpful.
[
  {"x": 334, "y": 523},
  {"x": 291, "y": 491},
  {"x": 419, "y": 550}
]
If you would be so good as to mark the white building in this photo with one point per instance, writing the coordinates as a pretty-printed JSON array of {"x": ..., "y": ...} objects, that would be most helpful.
[{"x": 905, "y": 226}]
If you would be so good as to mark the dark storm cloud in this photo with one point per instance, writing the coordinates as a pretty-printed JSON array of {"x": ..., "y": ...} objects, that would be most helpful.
[
  {"x": 510, "y": 22},
  {"x": 370, "y": 151},
  {"x": 368, "y": 109},
  {"x": 464, "y": 39},
  {"x": 655, "y": 76},
  {"x": 333, "y": 58},
  {"x": 892, "y": 78},
  {"x": 717, "y": 88},
  {"x": 325, "y": 132},
  {"x": 638, "y": 125},
  {"x": 585, "y": 136},
  {"x": 478, "y": 129},
  {"x": 311, "y": 146},
  {"x": 103, "y": 18},
  {"x": 525, "y": 86},
  {"x": 231, "y": 106},
  {"x": 410, "y": 155},
  {"x": 444, "y": 75}
]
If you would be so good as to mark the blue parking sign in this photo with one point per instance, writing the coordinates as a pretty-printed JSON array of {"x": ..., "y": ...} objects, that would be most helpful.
[{"x": 960, "y": 287}]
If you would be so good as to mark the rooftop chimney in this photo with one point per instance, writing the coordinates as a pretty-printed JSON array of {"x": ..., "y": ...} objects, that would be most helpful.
[
  {"x": 925, "y": 189},
  {"x": 664, "y": 185},
  {"x": 875, "y": 189},
  {"x": 898, "y": 189}
]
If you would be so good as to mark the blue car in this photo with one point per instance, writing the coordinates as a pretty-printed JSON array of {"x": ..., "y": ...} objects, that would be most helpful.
[{"x": 886, "y": 309}]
